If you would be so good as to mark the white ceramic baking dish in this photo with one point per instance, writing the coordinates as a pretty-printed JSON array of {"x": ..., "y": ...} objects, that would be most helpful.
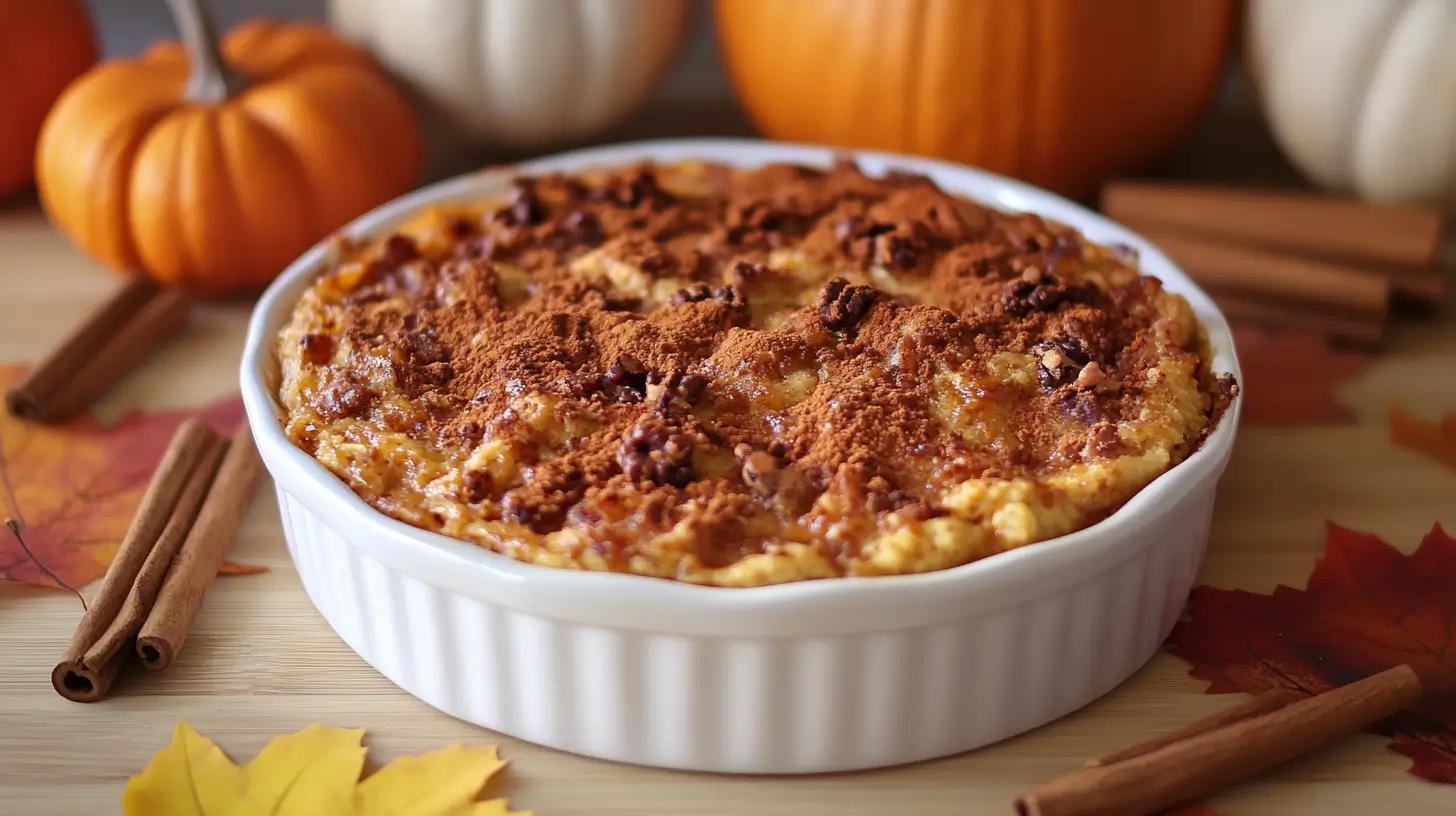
[{"x": 823, "y": 675}]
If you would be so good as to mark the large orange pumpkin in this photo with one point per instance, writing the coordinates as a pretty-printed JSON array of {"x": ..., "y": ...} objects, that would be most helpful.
[
  {"x": 1062, "y": 93},
  {"x": 43, "y": 46},
  {"x": 215, "y": 182}
]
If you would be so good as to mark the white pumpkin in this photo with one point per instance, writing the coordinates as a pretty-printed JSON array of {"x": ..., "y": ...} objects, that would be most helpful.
[
  {"x": 1361, "y": 94},
  {"x": 522, "y": 74}
]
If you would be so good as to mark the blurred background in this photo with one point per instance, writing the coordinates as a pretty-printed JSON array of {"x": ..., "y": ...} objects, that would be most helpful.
[
  {"x": 694, "y": 97},
  {"x": 1347, "y": 102},
  {"x": 129, "y": 26}
]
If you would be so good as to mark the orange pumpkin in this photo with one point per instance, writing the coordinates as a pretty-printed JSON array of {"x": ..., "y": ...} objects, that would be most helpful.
[
  {"x": 43, "y": 46},
  {"x": 1062, "y": 93},
  {"x": 215, "y": 180}
]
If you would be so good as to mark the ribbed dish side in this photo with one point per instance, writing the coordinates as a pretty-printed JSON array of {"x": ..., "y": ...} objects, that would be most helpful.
[{"x": 754, "y": 705}]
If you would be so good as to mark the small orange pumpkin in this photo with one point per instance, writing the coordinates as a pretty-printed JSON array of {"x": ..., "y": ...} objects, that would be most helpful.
[
  {"x": 1062, "y": 93},
  {"x": 43, "y": 46},
  {"x": 215, "y": 180}
]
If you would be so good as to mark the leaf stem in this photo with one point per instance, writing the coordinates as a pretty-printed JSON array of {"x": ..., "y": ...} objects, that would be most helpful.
[
  {"x": 15, "y": 531},
  {"x": 210, "y": 79}
]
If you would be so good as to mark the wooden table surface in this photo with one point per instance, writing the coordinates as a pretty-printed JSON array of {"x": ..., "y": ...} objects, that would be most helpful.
[{"x": 262, "y": 662}]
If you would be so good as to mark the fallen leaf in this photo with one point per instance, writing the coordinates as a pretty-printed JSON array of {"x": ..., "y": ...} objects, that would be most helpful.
[
  {"x": 72, "y": 488},
  {"x": 438, "y": 782},
  {"x": 234, "y": 568},
  {"x": 1290, "y": 378},
  {"x": 1366, "y": 608},
  {"x": 192, "y": 775},
  {"x": 315, "y": 771},
  {"x": 1435, "y": 441},
  {"x": 1434, "y": 754}
]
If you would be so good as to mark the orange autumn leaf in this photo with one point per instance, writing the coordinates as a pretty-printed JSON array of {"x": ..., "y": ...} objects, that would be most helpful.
[
  {"x": 72, "y": 488},
  {"x": 1366, "y": 608},
  {"x": 1290, "y": 378},
  {"x": 1435, "y": 441}
]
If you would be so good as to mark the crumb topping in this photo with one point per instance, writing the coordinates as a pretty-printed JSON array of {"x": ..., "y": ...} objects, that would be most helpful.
[{"x": 742, "y": 377}]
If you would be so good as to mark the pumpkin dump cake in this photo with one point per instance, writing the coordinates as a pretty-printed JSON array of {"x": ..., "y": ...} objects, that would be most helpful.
[{"x": 743, "y": 377}]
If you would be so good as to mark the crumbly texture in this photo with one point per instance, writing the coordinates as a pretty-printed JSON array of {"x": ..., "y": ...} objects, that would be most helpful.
[{"x": 741, "y": 378}]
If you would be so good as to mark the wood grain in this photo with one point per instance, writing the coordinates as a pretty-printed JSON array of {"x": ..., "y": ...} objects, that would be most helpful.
[{"x": 235, "y": 684}]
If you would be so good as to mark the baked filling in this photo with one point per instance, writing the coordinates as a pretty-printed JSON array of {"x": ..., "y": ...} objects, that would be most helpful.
[{"x": 744, "y": 377}]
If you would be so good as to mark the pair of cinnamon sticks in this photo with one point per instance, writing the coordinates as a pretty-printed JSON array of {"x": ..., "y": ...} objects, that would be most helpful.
[
  {"x": 154, "y": 588},
  {"x": 1297, "y": 260},
  {"x": 105, "y": 347},
  {"x": 1217, "y": 751}
]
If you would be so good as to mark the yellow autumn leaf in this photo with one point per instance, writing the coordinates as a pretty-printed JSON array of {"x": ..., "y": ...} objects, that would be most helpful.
[
  {"x": 443, "y": 781},
  {"x": 315, "y": 772},
  {"x": 191, "y": 776}
]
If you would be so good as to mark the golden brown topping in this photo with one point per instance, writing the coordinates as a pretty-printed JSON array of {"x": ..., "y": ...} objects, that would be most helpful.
[
  {"x": 344, "y": 400},
  {"x": 397, "y": 251},
  {"x": 1090, "y": 376},
  {"x": 1061, "y": 360},
  {"x": 656, "y": 451},
  {"x": 523, "y": 207},
  {"x": 580, "y": 229},
  {"x": 742, "y": 363},
  {"x": 1102, "y": 442},
  {"x": 842, "y": 304},
  {"x": 761, "y": 473},
  {"x": 673, "y": 393},
  {"x": 317, "y": 348},
  {"x": 477, "y": 486}
]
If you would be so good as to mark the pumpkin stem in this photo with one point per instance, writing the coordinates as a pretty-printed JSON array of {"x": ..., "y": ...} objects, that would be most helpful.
[{"x": 210, "y": 79}]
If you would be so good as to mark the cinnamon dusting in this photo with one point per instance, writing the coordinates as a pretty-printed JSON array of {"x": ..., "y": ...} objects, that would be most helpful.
[{"x": 677, "y": 370}]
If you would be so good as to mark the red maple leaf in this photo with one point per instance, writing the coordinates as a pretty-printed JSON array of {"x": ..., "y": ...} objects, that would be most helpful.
[
  {"x": 73, "y": 488},
  {"x": 1366, "y": 608},
  {"x": 1290, "y": 378}
]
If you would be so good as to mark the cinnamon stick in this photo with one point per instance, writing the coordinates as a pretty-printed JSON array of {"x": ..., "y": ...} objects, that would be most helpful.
[
  {"x": 1255, "y": 706},
  {"x": 1424, "y": 286},
  {"x": 85, "y": 680},
  {"x": 1356, "y": 330},
  {"x": 172, "y": 615},
  {"x": 31, "y": 397},
  {"x": 1206, "y": 761},
  {"x": 162, "y": 317},
  {"x": 1312, "y": 224},
  {"x": 149, "y": 579},
  {"x": 1271, "y": 275}
]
